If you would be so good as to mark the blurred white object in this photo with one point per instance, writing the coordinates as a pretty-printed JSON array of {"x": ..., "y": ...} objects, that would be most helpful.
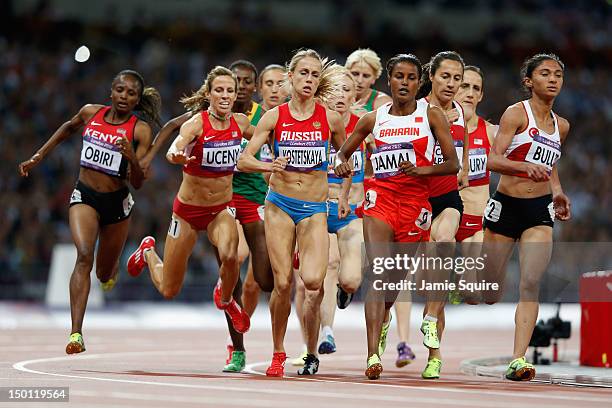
[
  {"x": 82, "y": 54},
  {"x": 58, "y": 290}
]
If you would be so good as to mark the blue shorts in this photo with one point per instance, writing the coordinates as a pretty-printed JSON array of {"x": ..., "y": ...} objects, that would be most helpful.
[
  {"x": 333, "y": 223},
  {"x": 296, "y": 209}
]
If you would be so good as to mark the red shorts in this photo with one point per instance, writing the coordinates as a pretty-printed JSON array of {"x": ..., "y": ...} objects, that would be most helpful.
[
  {"x": 409, "y": 218},
  {"x": 247, "y": 211},
  {"x": 199, "y": 217},
  {"x": 469, "y": 225}
]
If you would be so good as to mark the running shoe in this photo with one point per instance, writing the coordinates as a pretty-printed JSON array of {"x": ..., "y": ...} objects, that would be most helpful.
[
  {"x": 405, "y": 355},
  {"x": 432, "y": 369},
  {"x": 520, "y": 370},
  {"x": 454, "y": 297},
  {"x": 328, "y": 345},
  {"x": 109, "y": 284},
  {"x": 375, "y": 367},
  {"x": 230, "y": 350},
  {"x": 240, "y": 319},
  {"x": 277, "y": 365},
  {"x": 311, "y": 365},
  {"x": 430, "y": 331},
  {"x": 75, "y": 344},
  {"x": 299, "y": 360},
  {"x": 237, "y": 363},
  {"x": 137, "y": 261},
  {"x": 382, "y": 343},
  {"x": 343, "y": 298}
]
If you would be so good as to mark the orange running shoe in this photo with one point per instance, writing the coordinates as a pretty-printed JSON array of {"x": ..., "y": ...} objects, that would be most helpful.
[
  {"x": 137, "y": 261},
  {"x": 277, "y": 366}
]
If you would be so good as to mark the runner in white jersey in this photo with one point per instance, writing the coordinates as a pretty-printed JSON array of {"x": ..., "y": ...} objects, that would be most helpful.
[{"x": 529, "y": 196}]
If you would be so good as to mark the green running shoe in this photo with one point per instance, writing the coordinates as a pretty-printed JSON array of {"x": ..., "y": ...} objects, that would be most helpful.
[
  {"x": 237, "y": 363},
  {"x": 109, "y": 284},
  {"x": 432, "y": 369},
  {"x": 520, "y": 370},
  {"x": 430, "y": 330},
  {"x": 75, "y": 344},
  {"x": 382, "y": 343},
  {"x": 375, "y": 367}
]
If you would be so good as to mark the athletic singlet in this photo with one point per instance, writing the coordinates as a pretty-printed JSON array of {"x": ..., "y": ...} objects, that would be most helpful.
[
  {"x": 369, "y": 105},
  {"x": 478, "y": 152},
  {"x": 357, "y": 157},
  {"x": 252, "y": 186},
  {"x": 216, "y": 151},
  {"x": 305, "y": 142},
  {"x": 398, "y": 139},
  {"x": 533, "y": 145},
  {"x": 100, "y": 151},
  {"x": 439, "y": 185}
]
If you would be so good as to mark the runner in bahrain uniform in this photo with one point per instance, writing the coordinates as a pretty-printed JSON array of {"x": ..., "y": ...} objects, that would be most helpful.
[
  {"x": 296, "y": 207},
  {"x": 101, "y": 203},
  {"x": 438, "y": 87},
  {"x": 529, "y": 195},
  {"x": 366, "y": 68},
  {"x": 475, "y": 196},
  {"x": 396, "y": 208},
  {"x": 207, "y": 147}
]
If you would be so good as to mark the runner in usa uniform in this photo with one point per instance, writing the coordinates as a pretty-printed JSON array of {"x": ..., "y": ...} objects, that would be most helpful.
[
  {"x": 101, "y": 203},
  {"x": 366, "y": 68},
  {"x": 296, "y": 207},
  {"x": 207, "y": 147},
  {"x": 396, "y": 208},
  {"x": 475, "y": 196},
  {"x": 346, "y": 234},
  {"x": 529, "y": 196},
  {"x": 481, "y": 134},
  {"x": 445, "y": 75}
]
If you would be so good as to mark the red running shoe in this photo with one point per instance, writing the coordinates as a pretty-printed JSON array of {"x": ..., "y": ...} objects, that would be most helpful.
[
  {"x": 296, "y": 260},
  {"x": 359, "y": 210},
  {"x": 136, "y": 261},
  {"x": 230, "y": 350},
  {"x": 240, "y": 319},
  {"x": 277, "y": 366}
]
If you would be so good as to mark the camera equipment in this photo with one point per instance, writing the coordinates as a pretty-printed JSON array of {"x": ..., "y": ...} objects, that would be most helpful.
[{"x": 554, "y": 329}]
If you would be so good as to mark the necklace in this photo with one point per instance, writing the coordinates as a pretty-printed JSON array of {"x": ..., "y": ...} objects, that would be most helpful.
[{"x": 218, "y": 117}]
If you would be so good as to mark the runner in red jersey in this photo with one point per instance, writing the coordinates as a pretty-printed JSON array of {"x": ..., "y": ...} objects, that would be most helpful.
[
  {"x": 396, "y": 208},
  {"x": 481, "y": 134},
  {"x": 529, "y": 196},
  {"x": 445, "y": 75},
  {"x": 114, "y": 139},
  {"x": 296, "y": 206},
  {"x": 207, "y": 147}
]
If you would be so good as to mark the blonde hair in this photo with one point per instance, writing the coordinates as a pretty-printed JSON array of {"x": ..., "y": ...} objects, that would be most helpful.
[
  {"x": 367, "y": 56},
  {"x": 331, "y": 74},
  {"x": 198, "y": 101}
]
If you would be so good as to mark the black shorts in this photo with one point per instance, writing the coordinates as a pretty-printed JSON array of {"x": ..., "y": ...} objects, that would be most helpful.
[
  {"x": 111, "y": 207},
  {"x": 452, "y": 199},
  {"x": 511, "y": 216}
]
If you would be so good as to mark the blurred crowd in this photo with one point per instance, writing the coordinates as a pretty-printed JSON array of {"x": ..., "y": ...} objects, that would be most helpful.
[{"x": 42, "y": 86}]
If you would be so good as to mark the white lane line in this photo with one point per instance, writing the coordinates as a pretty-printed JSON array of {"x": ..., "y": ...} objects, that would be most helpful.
[
  {"x": 268, "y": 391},
  {"x": 250, "y": 369}
]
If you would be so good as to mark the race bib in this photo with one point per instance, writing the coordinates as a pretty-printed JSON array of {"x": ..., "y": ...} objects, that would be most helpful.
[
  {"x": 493, "y": 210},
  {"x": 100, "y": 155},
  {"x": 220, "y": 156},
  {"x": 388, "y": 157},
  {"x": 423, "y": 221},
  {"x": 544, "y": 152},
  {"x": 128, "y": 203},
  {"x": 370, "y": 199},
  {"x": 438, "y": 157},
  {"x": 265, "y": 154},
  {"x": 478, "y": 163},
  {"x": 304, "y": 155}
]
